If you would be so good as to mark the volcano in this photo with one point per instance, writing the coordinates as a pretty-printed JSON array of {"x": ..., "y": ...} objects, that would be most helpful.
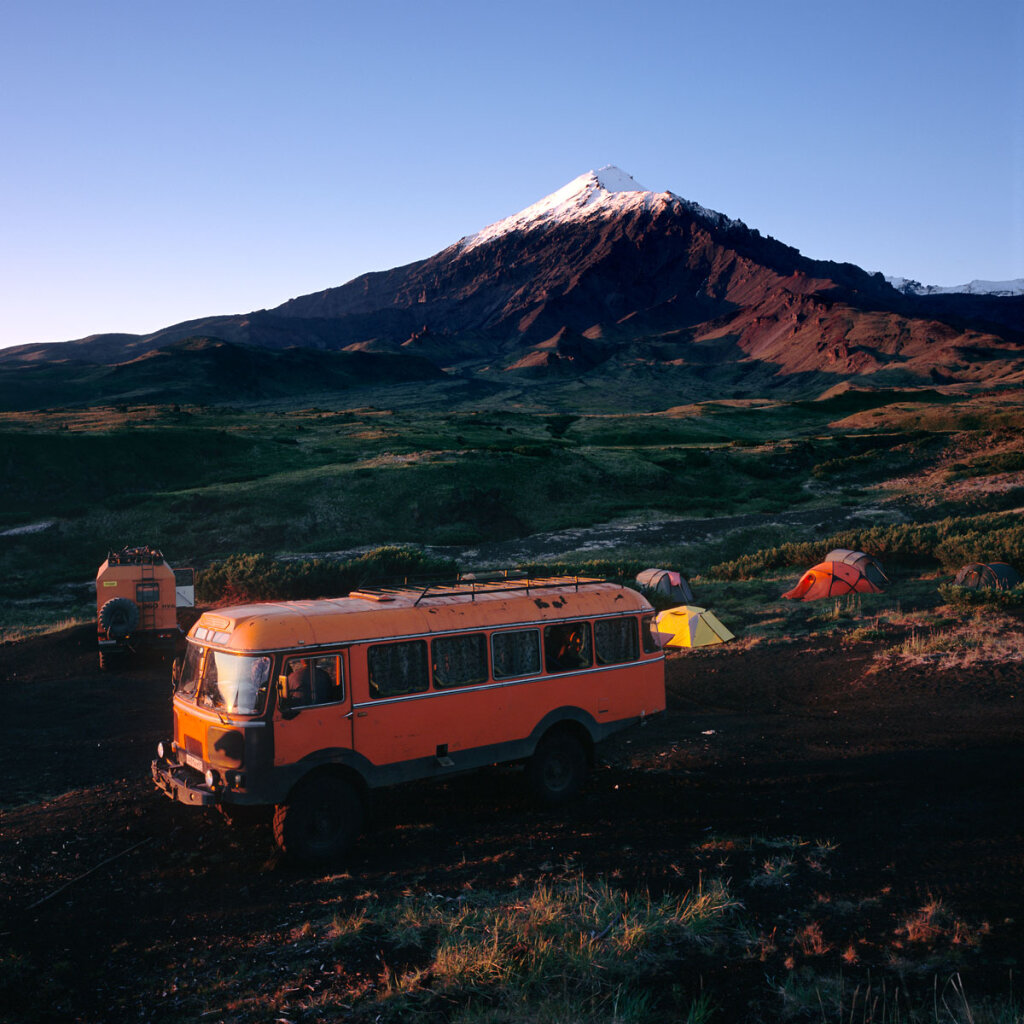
[{"x": 603, "y": 278}]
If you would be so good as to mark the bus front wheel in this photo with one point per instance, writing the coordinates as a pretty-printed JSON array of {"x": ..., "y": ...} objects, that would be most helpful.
[
  {"x": 558, "y": 769},
  {"x": 321, "y": 820}
]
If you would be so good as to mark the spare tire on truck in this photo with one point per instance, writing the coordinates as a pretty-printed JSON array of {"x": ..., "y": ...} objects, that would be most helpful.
[{"x": 118, "y": 617}]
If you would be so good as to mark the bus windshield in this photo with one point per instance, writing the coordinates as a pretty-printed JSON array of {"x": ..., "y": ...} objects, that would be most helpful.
[
  {"x": 188, "y": 675},
  {"x": 226, "y": 682}
]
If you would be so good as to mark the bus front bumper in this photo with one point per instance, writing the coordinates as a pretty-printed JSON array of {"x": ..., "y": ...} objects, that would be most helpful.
[{"x": 173, "y": 780}]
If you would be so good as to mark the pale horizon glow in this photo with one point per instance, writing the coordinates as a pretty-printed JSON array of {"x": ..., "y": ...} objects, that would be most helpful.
[{"x": 167, "y": 163}]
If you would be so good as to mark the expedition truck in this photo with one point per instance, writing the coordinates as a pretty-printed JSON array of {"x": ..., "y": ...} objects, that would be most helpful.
[
  {"x": 137, "y": 600},
  {"x": 308, "y": 707}
]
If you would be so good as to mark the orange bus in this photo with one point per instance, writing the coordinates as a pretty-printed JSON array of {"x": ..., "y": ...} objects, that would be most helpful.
[{"x": 309, "y": 706}]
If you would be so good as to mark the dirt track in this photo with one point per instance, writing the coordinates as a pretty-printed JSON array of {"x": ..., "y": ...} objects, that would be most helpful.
[{"x": 913, "y": 775}]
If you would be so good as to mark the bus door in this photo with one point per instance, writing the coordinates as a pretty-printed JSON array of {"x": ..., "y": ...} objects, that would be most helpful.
[
  {"x": 314, "y": 705},
  {"x": 397, "y": 722}
]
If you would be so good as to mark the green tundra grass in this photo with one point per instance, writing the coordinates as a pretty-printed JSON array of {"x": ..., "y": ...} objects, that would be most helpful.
[{"x": 204, "y": 483}]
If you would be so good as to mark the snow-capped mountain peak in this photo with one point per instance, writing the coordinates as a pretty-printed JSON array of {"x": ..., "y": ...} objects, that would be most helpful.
[
  {"x": 596, "y": 192},
  {"x": 603, "y": 193}
]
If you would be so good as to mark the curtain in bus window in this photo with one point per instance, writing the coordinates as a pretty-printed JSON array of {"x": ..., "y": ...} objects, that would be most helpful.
[
  {"x": 460, "y": 660},
  {"x": 515, "y": 654},
  {"x": 397, "y": 669},
  {"x": 615, "y": 640}
]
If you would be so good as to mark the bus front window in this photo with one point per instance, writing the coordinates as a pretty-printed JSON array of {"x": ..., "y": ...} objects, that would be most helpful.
[
  {"x": 188, "y": 677},
  {"x": 235, "y": 683}
]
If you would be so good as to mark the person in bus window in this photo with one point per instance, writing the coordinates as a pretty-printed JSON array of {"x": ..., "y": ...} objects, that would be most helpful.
[
  {"x": 323, "y": 684},
  {"x": 566, "y": 648},
  {"x": 300, "y": 690}
]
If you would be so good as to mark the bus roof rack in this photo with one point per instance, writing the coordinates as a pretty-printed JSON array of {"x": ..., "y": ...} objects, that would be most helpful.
[{"x": 472, "y": 584}]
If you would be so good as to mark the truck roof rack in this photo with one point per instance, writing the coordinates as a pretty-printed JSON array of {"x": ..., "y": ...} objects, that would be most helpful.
[
  {"x": 145, "y": 555},
  {"x": 472, "y": 584}
]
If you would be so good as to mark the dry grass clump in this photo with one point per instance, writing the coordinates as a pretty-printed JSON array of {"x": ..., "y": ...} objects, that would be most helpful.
[
  {"x": 575, "y": 950},
  {"x": 950, "y": 640},
  {"x": 15, "y": 633}
]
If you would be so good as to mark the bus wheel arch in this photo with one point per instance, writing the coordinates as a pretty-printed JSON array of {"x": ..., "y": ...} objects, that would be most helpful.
[
  {"x": 561, "y": 762},
  {"x": 322, "y": 816}
]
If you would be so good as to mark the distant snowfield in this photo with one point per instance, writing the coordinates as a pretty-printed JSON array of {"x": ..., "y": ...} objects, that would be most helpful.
[
  {"x": 29, "y": 528},
  {"x": 1000, "y": 288}
]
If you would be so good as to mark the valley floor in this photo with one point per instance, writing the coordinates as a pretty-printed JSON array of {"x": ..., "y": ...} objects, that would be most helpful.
[{"x": 868, "y": 817}]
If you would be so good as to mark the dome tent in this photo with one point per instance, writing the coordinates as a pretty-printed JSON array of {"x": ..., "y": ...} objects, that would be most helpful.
[
  {"x": 979, "y": 575},
  {"x": 689, "y": 626},
  {"x": 868, "y": 564},
  {"x": 666, "y": 583},
  {"x": 831, "y": 579}
]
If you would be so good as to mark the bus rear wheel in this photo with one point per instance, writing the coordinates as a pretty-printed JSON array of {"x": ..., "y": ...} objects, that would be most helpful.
[
  {"x": 558, "y": 769},
  {"x": 321, "y": 820}
]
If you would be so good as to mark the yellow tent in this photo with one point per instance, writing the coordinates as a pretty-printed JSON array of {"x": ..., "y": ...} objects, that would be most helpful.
[{"x": 689, "y": 626}]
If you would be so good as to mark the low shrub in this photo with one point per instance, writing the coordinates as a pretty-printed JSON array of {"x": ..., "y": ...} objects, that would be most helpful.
[
  {"x": 258, "y": 577},
  {"x": 950, "y": 543},
  {"x": 963, "y": 597}
]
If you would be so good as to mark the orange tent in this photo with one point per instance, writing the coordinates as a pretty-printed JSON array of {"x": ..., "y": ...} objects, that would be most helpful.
[{"x": 830, "y": 579}]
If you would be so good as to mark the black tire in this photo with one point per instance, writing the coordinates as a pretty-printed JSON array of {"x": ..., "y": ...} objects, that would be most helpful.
[
  {"x": 558, "y": 769},
  {"x": 118, "y": 617},
  {"x": 321, "y": 820}
]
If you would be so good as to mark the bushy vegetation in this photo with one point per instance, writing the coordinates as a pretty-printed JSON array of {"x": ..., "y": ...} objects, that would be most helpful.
[
  {"x": 949, "y": 544},
  {"x": 991, "y": 597},
  {"x": 258, "y": 577}
]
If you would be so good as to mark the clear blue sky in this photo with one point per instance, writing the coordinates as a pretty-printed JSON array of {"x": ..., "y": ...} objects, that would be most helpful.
[{"x": 165, "y": 161}]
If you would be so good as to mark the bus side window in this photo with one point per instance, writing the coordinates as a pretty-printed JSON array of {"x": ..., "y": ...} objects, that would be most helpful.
[
  {"x": 515, "y": 653},
  {"x": 397, "y": 669},
  {"x": 615, "y": 640},
  {"x": 459, "y": 660},
  {"x": 567, "y": 646},
  {"x": 298, "y": 682},
  {"x": 328, "y": 680}
]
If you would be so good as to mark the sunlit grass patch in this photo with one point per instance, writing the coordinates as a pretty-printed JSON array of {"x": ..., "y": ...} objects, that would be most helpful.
[
  {"x": 46, "y": 623},
  {"x": 532, "y": 953},
  {"x": 951, "y": 639}
]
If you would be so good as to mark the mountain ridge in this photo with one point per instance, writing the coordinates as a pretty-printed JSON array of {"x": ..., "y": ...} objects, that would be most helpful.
[{"x": 602, "y": 275}]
